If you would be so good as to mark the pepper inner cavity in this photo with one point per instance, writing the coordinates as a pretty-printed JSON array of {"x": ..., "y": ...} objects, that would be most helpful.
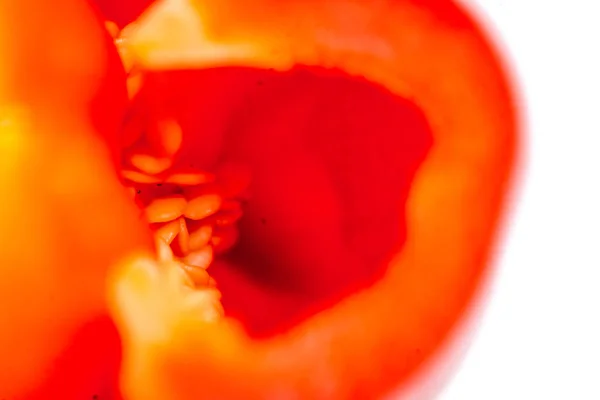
[{"x": 331, "y": 156}]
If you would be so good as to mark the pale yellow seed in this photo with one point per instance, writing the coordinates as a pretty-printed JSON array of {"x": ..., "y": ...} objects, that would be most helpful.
[
  {"x": 203, "y": 206},
  {"x": 189, "y": 178},
  {"x": 149, "y": 164},
  {"x": 200, "y": 237},
  {"x": 166, "y": 136},
  {"x": 184, "y": 237},
  {"x": 165, "y": 209},
  {"x": 198, "y": 275},
  {"x": 200, "y": 258},
  {"x": 169, "y": 231},
  {"x": 139, "y": 177}
]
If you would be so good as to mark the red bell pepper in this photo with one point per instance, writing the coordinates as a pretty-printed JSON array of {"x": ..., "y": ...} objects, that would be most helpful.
[{"x": 379, "y": 138}]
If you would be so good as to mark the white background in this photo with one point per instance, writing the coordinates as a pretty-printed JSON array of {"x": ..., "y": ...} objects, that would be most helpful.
[{"x": 540, "y": 333}]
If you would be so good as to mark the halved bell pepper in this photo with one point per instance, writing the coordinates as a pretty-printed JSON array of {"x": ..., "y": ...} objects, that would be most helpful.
[{"x": 382, "y": 225}]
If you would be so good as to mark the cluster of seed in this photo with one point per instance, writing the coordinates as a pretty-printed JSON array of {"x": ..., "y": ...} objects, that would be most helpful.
[
  {"x": 194, "y": 222},
  {"x": 192, "y": 213}
]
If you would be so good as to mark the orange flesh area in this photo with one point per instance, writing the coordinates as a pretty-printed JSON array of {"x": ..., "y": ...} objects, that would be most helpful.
[{"x": 312, "y": 169}]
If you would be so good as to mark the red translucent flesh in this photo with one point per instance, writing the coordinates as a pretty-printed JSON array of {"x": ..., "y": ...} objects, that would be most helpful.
[
  {"x": 234, "y": 180},
  {"x": 108, "y": 106},
  {"x": 88, "y": 368},
  {"x": 331, "y": 158},
  {"x": 122, "y": 12}
]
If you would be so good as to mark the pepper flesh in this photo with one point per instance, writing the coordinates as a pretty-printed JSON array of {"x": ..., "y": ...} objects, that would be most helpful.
[{"x": 65, "y": 218}]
